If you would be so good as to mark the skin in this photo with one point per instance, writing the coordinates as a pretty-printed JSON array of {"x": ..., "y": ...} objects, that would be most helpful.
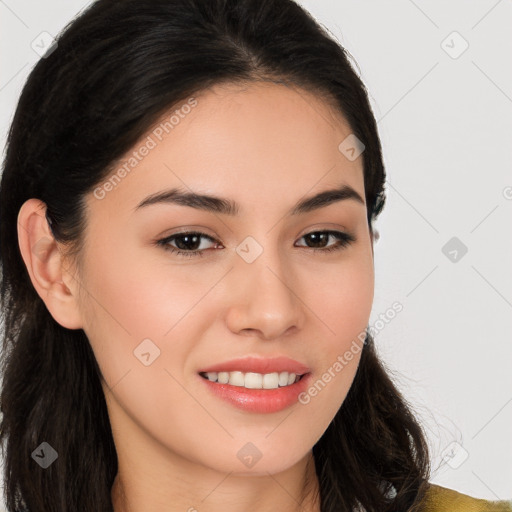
[{"x": 265, "y": 146}]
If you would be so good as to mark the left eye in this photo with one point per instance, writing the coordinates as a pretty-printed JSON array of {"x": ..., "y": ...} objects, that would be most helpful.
[{"x": 189, "y": 243}]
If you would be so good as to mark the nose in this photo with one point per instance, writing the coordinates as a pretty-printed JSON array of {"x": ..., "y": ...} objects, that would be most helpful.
[{"x": 266, "y": 301}]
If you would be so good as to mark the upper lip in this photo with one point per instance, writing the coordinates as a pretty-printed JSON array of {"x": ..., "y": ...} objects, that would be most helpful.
[{"x": 259, "y": 365}]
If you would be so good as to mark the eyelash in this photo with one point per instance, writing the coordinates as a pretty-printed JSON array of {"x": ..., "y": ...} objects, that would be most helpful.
[{"x": 344, "y": 239}]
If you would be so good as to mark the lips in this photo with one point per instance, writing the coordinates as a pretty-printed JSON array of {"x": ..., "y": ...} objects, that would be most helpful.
[
  {"x": 260, "y": 401},
  {"x": 259, "y": 365}
]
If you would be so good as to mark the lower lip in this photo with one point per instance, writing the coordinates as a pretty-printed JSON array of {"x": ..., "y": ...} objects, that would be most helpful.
[{"x": 259, "y": 400}]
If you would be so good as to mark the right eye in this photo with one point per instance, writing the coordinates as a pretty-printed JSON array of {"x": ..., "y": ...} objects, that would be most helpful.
[{"x": 188, "y": 243}]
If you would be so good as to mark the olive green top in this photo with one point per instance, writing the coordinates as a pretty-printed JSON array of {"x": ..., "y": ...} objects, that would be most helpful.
[{"x": 442, "y": 499}]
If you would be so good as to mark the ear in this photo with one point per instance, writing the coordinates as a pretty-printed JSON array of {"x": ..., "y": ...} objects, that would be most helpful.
[
  {"x": 374, "y": 237},
  {"x": 41, "y": 253}
]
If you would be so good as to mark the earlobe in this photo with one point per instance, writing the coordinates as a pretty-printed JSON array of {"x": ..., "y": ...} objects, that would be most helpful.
[{"x": 45, "y": 265}]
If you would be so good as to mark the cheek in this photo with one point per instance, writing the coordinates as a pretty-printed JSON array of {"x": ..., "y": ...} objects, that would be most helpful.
[
  {"x": 341, "y": 297},
  {"x": 130, "y": 300},
  {"x": 343, "y": 307}
]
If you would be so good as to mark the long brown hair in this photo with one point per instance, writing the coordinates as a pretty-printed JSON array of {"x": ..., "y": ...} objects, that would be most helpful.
[{"x": 116, "y": 68}]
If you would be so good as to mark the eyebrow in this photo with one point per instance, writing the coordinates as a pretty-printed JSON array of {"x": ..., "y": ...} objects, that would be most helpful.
[{"x": 228, "y": 207}]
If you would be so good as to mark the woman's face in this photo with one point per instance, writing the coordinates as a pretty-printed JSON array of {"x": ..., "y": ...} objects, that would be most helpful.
[{"x": 251, "y": 285}]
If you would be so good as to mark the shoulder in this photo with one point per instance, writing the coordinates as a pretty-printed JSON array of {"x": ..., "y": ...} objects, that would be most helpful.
[{"x": 442, "y": 499}]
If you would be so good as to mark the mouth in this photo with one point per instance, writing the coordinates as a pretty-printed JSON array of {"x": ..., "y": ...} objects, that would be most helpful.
[
  {"x": 252, "y": 380},
  {"x": 257, "y": 384},
  {"x": 256, "y": 392}
]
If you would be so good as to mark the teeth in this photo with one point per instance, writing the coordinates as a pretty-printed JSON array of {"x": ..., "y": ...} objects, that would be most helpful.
[
  {"x": 283, "y": 379},
  {"x": 252, "y": 380},
  {"x": 223, "y": 377},
  {"x": 271, "y": 380},
  {"x": 236, "y": 379}
]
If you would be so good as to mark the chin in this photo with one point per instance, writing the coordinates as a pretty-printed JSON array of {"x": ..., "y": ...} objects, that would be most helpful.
[{"x": 250, "y": 461}]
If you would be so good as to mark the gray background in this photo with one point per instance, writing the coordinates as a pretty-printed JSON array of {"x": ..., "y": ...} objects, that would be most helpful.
[{"x": 444, "y": 117}]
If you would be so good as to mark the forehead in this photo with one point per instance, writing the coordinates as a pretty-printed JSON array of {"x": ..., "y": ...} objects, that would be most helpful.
[{"x": 257, "y": 142}]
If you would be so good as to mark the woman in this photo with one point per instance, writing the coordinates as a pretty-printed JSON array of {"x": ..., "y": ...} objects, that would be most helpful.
[{"x": 187, "y": 205}]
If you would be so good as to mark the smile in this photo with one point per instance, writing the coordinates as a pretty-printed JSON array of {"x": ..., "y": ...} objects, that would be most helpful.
[{"x": 251, "y": 380}]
